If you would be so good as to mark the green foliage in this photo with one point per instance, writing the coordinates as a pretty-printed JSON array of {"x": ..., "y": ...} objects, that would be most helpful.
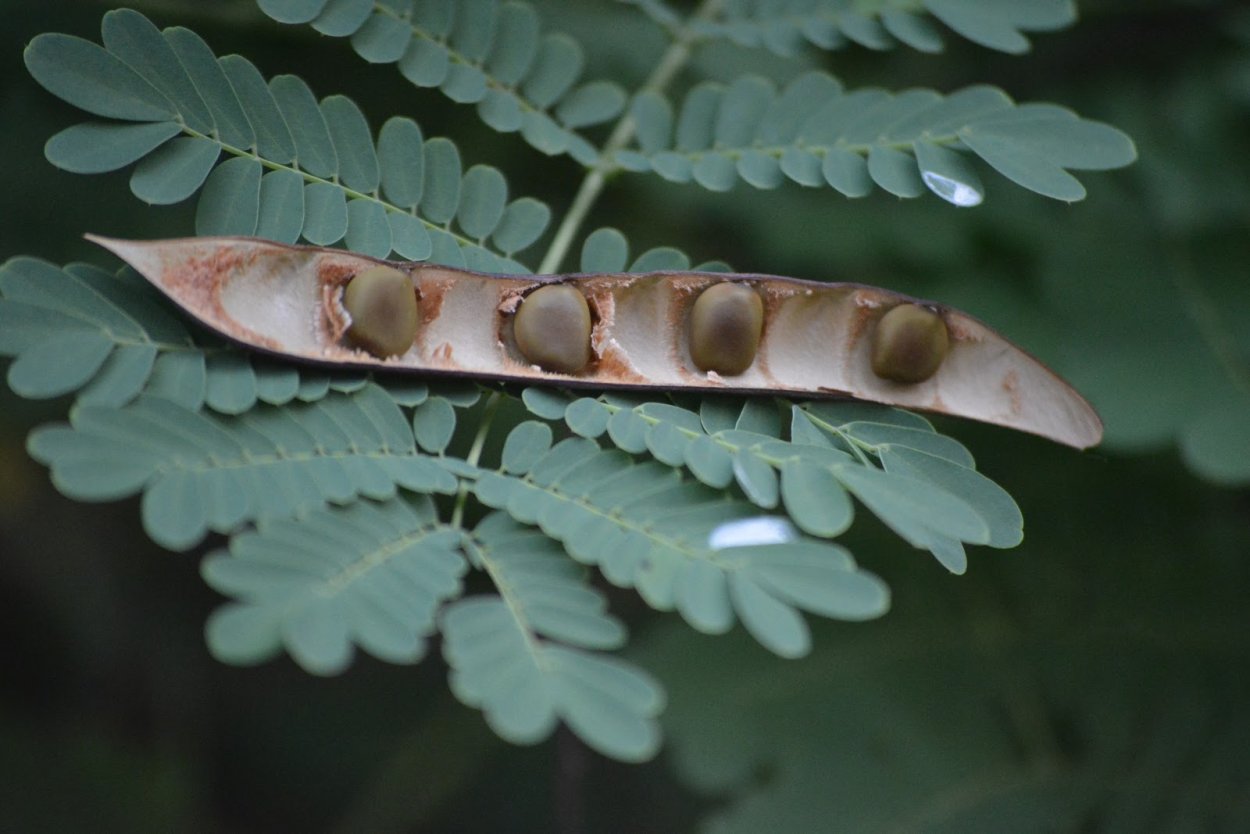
[
  {"x": 815, "y": 133},
  {"x": 1019, "y": 705},
  {"x": 354, "y": 505},
  {"x": 294, "y": 168},
  {"x": 372, "y": 575},
  {"x": 527, "y": 656},
  {"x": 109, "y": 339},
  {"x": 492, "y": 55},
  {"x": 784, "y": 26}
]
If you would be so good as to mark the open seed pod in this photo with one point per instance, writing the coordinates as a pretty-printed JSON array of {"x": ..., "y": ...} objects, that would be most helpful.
[{"x": 815, "y": 339}]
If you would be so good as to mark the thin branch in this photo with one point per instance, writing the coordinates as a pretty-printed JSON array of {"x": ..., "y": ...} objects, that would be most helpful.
[
  {"x": 475, "y": 453},
  {"x": 670, "y": 64}
]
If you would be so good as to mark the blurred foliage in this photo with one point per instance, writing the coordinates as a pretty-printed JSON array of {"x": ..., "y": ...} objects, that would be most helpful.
[{"x": 1093, "y": 673}]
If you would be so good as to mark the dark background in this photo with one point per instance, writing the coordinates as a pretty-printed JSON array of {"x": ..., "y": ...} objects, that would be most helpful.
[{"x": 1093, "y": 679}]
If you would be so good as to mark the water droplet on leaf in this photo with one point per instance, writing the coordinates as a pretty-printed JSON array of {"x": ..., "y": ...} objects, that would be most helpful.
[
  {"x": 953, "y": 191},
  {"x": 744, "y": 532}
]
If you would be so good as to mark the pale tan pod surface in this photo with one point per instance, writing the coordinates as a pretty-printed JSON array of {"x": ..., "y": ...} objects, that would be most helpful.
[{"x": 817, "y": 337}]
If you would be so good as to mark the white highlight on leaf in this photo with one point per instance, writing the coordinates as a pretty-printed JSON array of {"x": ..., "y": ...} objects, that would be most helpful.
[
  {"x": 953, "y": 191},
  {"x": 744, "y": 532}
]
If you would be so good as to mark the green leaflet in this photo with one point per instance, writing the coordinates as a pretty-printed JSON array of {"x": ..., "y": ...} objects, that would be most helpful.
[
  {"x": 314, "y": 149},
  {"x": 783, "y": 27},
  {"x": 505, "y": 660},
  {"x": 484, "y": 194},
  {"x": 403, "y": 163},
  {"x": 382, "y": 39},
  {"x": 442, "y": 180},
  {"x": 273, "y": 135},
  {"x": 679, "y": 543},
  {"x": 79, "y": 330},
  {"x": 523, "y": 222},
  {"x": 133, "y": 39},
  {"x": 325, "y": 213},
  {"x": 84, "y": 75},
  {"x": 358, "y": 161},
  {"x": 379, "y": 199},
  {"x": 110, "y": 337},
  {"x": 814, "y": 133},
  {"x": 525, "y": 82},
  {"x": 526, "y": 444},
  {"x": 201, "y": 65},
  {"x": 281, "y": 206},
  {"x": 604, "y": 250},
  {"x": 433, "y": 422},
  {"x": 371, "y": 575},
  {"x": 96, "y": 147},
  {"x": 230, "y": 202},
  {"x": 200, "y": 473},
  {"x": 292, "y": 11},
  {"x": 545, "y": 402},
  {"x": 926, "y": 488},
  {"x": 659, "y": 259},
  {"x": 368, "y": 228},
  {"x": 339, "y": 18},
  {"x": 175, "y": 171}
]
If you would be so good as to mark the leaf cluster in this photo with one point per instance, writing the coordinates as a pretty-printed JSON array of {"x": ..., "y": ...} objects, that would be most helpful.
[
  {"x": 327, "y": 487},
  {"x": 783, "y": 27},
  {"x": 353, "y": 507},
  {"x": 1018, "y": 705},
  {"x": 494, "y": 56},
  {"x": 817, "y": 134},
  {"x": 269, "y": 159}
]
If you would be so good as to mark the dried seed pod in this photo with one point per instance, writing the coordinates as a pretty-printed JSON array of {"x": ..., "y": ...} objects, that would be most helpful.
[
  {"x": 383, "y": 305},
  {"x": 818, "y": 338},
  {"x": 725, "y": 326},
  {"x": 552, "y": 329},
  {"x": 909, "y": 344}
]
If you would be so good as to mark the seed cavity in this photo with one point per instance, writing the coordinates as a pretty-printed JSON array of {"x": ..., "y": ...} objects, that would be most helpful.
[
  {"x": 552, "y": 329},
  {"x": 725, "y": 326},
  {"x": 909, "y": 344},
  {"x": 383, "y": 305}
]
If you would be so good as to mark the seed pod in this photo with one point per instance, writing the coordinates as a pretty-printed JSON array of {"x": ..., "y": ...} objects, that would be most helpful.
[
  {"x": 383, "y": 305},
  {"x": 725, "y": 327},
  {"x": 552, "y": 329},
  {"x": 819, "y": 339},
  {"x": 910, "y": 343}
]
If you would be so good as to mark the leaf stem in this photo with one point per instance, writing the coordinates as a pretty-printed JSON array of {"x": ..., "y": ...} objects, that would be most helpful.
[
  {"x": 475, "y": 453},
  {"x": 669, "y": 65}
]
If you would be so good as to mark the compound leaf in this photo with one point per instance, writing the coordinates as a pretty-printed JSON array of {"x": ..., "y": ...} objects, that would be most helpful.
[
  {"x": 398, "y": 195},
  {"x": 815, "y": 133},
  {"x": 507, "y": 659},
  {"x": 371, "y": 575}
]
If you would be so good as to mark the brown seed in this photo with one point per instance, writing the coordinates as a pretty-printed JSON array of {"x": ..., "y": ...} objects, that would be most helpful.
[
  {"x": 384, "y": 309},
  {"x": 552, "y": 328},
  {"x": 909, "y": 344},
  {"x": 725, "y": 326}
]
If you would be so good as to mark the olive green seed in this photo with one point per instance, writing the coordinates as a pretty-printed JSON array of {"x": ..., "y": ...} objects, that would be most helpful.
[
  {"x": 909, "y": 344},
  {"x": 552, "y": 328},
  {"x": 725, "y": 327},
  {"x": 385, "y": 313}
]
